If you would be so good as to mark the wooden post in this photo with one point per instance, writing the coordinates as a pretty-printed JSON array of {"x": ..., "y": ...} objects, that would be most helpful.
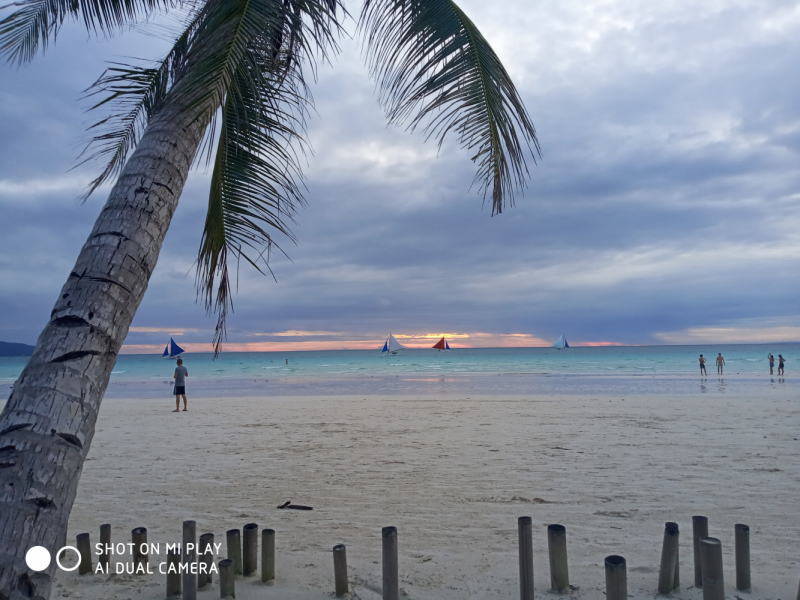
[
  {"x": 557, "y": 547},
  {"x": 699, "y": 530},
  {"x": 711, "y": 558},
  {"x": 250, "y": 556},
  {"x": 189, "y": 558},
  {"x": 525, "y": 531},
  {"x": 105, "y": 540},
  {"x": 173, "y": 574},
  {"x": 234, "y": 541},
  {"x": 340, "y": 569},
  {"x": 669, "y": 559},
  {"x": 616, "y": 578},
  {"x": 267, "y": 555},
  {"x": 391, "y": 575},
  {"x": 226, "y": 579},
  {"x": 139, "y": 537},
  {"x": 84, "y": 545},
  {"x": 206, "y": 554},
  {"x": 742, "y": 536}
]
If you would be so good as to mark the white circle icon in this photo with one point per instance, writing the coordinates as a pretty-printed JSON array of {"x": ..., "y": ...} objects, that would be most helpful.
[
  {"x": 58, "y": 562},
  {"x": 37, "y": 558}
]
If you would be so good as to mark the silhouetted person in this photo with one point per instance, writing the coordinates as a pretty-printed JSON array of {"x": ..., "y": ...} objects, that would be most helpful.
[
  {"x": 720, "y": 363},
  {"x": 781, "y": 360},
  {"x": 703, "y": 366}
]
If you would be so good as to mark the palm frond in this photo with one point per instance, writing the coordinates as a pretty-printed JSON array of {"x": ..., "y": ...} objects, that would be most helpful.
[
  {"x": 255, "y": 185},
  {"x": 135, "y": 93},
  {"x": 294, "y": 29},
  {"x": 435, "y": 69},
  {"x": 36, "y": 23},
  {"x": 244, "y": 58},
  {"x": 257, "y": 68}
]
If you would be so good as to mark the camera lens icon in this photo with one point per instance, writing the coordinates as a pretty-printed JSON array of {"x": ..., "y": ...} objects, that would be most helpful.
[{"x": 38, "y": 558}]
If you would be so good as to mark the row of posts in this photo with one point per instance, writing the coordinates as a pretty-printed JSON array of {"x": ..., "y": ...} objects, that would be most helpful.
[
  {"x": 707, "y": 561},
  {"x": 243, "y": 560}
]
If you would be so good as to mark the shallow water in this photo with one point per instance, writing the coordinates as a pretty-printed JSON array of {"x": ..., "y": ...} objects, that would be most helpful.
[{"x": 615, "y": 370}]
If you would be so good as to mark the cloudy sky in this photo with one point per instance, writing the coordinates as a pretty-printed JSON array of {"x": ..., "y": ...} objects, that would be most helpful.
[{"x": 665, "y": 209}]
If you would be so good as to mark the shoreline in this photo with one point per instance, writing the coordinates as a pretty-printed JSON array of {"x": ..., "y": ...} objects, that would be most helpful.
[
  {"x": 490, "y": 384},
  {"x": 453, "y": 474}
]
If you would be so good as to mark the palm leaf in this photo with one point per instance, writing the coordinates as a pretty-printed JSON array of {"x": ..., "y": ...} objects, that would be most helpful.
[
  {"x": 135, "y": 93},
  {"x": 245, "y": 58},
  {"x": 37, "y": 22},
  {"x": 254, "y": 189},
  {"x": 435, "y": 69}
]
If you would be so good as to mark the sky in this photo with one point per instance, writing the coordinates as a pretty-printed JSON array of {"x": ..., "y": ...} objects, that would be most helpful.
[{"x": 665, "y": 208}]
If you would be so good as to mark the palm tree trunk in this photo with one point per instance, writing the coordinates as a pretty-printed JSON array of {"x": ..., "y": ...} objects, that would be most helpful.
[{"x": 47, "y": 425}]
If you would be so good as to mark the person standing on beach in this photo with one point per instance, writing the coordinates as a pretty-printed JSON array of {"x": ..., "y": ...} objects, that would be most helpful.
[
  {"x": 781, "y": 360},
  {"x": 771, "y": 362},
  {"x": 703, "y": 365},
  {"x": 180, "y": 385},
  {"x": 720, "y": 363}
]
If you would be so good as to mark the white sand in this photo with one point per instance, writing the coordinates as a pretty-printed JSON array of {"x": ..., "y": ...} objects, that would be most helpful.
[{"x": 453, "y": 475}]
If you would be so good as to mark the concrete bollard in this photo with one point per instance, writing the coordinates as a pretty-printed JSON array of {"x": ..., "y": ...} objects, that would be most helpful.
[
  {"x": 669, "y": 559},
  {"x": 340, "y": 569},
  {"x": 699, "y": 530},
  {"x": 267, "y": 555},
  {"x": 557, "y": 548},
  {"x": 234, "y": 540},
  {"x": 525, "y": 534},
  {"x": 206, "y": 556},
  {"x": 391, "y": 575},
  {"x": 226, "y": 579},
  {"x": 711, "y": 559},
  {"x": 250, "y": 549},
  {"x": 173, "y": 574},
  {"x": 84, "y": 545},
  {"x": 616, "y": 578},
  {"x": 105, "y": 540},
  {"x": 742, "y": 549},
  {"x": 139, "y": 538},
  {"x": 189, "y": 580}
]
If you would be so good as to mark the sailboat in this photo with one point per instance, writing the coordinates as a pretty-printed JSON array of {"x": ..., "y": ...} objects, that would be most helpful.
[
  {"x": 441, "y": 344},
  {"x": 561, "y": 343},
  {"x": 391, "y": 346},
  {"x": 172, "y": 350}
]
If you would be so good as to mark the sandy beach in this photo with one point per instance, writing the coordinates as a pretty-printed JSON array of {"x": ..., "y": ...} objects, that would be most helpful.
[{"x": 453, "y": 474}]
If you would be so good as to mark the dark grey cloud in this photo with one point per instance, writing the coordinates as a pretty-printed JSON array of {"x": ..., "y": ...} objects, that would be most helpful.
[{"x": 666, "y": 200}]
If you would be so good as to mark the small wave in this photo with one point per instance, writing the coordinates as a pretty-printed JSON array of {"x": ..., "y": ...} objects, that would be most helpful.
[{"x": 118, "y": 372}]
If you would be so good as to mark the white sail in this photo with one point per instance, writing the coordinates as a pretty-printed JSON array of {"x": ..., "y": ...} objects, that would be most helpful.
[
  {"x": 561, "y": 342},
  {"x": 394, "y": 345}
]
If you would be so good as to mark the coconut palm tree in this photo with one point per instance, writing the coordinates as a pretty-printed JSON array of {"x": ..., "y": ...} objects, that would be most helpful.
[{"x": 232, "y": 89}]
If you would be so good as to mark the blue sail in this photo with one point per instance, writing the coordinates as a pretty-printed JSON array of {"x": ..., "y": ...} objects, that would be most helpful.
[
  {"x": 446, "y": 345},
  {"x": 566, "y": 344},
  {"x": 174, "y": 349},
  {"x": 166, "y": 351},
  {"x": 385, "y": 346}
]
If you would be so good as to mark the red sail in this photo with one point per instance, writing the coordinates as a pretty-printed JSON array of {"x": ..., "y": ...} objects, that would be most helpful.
[{"x": 440, "y": 344}]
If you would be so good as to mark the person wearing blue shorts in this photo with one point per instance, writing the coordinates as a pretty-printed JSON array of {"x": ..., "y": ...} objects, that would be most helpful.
[{"x": 181, "y": 373}]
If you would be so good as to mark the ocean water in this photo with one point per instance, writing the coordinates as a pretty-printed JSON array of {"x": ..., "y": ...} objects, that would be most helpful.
[{"x": 622, "y": 369}]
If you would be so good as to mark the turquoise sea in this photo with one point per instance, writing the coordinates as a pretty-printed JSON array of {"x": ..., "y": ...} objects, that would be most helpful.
[{"x": 619, "y": 369}]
